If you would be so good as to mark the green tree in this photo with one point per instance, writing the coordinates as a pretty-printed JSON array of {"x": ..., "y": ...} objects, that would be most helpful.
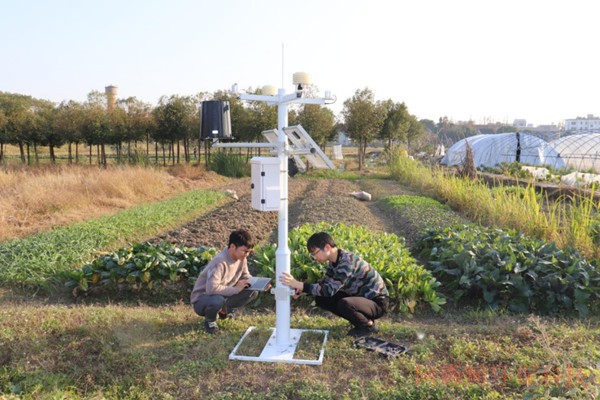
[
  {"x": 261, "y": 117},
  {"x": 428, "y": 125},
  {"x": 415, "y": 131},
  {"x": 399, "y": 125},
  {"x": 95, "y": 126},
  {"x": 20, "y": 121},
  {"x": 137, "y": 123},
  {"x": 318, "y": 121},
  {"x": 396, "y": 125},
  {"x": 49, "y": 134},
  {"x": 364, "y": 119},
  {"x": 176, "y": 119},
  {"x": 450, "y": 133},
  {"x": 118, "y": 130},
  {"x": 68, "y": 122}
]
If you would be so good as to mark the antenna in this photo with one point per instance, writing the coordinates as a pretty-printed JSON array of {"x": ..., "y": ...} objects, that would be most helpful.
[{"x": 282, "y": 54}]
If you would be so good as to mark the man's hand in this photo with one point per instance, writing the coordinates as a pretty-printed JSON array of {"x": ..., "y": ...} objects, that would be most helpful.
[
  {"x": 242, "y": 284},
  {"x": 290, "y": 281}
]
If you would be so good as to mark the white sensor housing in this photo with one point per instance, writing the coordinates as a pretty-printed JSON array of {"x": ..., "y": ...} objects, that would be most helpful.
[
  {"x": 302, "y": 78},
  {"x": 269, "y": 90}
]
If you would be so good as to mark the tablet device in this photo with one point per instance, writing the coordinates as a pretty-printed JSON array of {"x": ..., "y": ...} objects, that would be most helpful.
[{"x": 258, "y": 283}]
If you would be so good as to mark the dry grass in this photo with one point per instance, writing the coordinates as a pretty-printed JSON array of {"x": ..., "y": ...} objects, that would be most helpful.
[
  {"x": 34, "y": 199},
  {"x": 565, "y": 221}
]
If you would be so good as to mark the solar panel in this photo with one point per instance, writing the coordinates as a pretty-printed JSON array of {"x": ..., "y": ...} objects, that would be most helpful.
[
  {"x": 271, "y": 136},
  {"x": 302, "y": 142}
]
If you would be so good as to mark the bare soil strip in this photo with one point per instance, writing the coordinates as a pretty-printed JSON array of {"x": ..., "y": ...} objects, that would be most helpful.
[{"x": 310, "y": 201}]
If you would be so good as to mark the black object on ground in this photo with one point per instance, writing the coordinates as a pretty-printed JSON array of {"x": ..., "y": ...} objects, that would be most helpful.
[{"x": 382, "y": 347}]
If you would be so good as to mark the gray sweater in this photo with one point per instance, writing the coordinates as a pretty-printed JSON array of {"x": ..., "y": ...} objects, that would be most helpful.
[{"x": 220, "y": 276}]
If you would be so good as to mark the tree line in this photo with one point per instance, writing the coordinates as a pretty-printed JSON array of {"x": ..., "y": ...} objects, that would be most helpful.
[{"x": 139, "y": 132}]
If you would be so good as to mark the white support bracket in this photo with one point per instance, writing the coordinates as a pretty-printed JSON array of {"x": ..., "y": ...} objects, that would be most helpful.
[
  {"x": 286, "y": 354},
  {"x": 282, "y": 292}
]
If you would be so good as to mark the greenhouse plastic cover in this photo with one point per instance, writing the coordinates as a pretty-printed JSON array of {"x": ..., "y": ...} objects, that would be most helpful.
[
  {"x": 491, "y": 150},
  {"x": 581, "y": 152}
]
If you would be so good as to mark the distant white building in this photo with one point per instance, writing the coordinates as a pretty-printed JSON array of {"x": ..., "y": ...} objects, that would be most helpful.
[{"x": 590, "y": 124}]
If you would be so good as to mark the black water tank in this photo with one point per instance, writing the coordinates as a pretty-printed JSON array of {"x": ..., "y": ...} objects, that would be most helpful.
[{"x": 216, "y": 120}]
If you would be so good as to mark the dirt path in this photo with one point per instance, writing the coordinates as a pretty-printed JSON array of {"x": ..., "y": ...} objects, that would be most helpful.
[{"x": 310, "y": 201}]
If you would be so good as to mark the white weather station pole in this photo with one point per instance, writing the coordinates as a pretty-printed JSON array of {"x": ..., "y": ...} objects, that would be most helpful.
[{"x": 283, "y": 341}]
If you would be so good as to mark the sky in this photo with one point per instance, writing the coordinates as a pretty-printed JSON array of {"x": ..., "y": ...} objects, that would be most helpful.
[{"x": 479, "y": 60}]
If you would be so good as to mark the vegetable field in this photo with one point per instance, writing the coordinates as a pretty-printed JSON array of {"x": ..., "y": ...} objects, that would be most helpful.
[{"x": 465, "y": 342}]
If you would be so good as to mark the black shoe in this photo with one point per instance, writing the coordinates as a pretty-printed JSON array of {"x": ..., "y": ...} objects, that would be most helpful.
[
  {"x": 210, "y": 327},
  {"x": 226, "y": 315},
  {"x": 362, "y": 331}
]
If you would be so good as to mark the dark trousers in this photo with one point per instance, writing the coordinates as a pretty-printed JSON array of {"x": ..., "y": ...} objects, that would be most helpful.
[
  {"x": 209, "y": 305},
  {"x": 358, "y": 310}
]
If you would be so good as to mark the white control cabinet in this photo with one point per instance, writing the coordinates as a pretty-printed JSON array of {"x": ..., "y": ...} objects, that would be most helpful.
[{"x": 265, "y": 183}]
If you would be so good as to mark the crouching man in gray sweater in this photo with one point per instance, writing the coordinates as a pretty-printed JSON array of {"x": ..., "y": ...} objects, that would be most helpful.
[{"x": 220, "y": 287}]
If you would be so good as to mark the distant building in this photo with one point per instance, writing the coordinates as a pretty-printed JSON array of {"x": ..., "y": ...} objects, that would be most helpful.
[{"x": 590, "y": 124}]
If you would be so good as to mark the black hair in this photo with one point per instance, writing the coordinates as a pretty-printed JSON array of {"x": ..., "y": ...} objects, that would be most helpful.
[
  {"x": 319, "y": 240},
  {"x": 241, "y": 237}
]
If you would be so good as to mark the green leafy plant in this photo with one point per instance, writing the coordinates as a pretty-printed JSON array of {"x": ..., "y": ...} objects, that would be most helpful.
[
  {"x": 509, "y": 269},
  {"x": 408, "y": 282},
  {"x": 421, "y": 212},
  {"x": 141, "y": 266},
  {"x": 509, "y": 169}
]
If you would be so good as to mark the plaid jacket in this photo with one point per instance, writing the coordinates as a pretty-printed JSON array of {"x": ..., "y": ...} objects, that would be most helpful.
[{"x": 351, "y": 275}]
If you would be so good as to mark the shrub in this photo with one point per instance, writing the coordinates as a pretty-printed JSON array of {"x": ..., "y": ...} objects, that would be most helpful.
[
  {"x": 229, "y": 164},
  {"x": 408, "y": 282},
  {"x": 509, "y": 269}
]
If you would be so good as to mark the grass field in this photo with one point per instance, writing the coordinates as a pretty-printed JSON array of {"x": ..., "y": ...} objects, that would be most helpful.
[{"x": 143, "y": 351}]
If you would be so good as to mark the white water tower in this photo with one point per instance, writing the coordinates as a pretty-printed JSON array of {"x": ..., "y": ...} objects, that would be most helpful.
[{"x": 111, "y": 96}]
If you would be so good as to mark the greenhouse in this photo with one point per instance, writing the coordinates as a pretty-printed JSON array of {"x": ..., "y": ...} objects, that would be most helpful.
[
  {"x": 491, "y": 150},
  {"x": 580, "y": 152}
]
